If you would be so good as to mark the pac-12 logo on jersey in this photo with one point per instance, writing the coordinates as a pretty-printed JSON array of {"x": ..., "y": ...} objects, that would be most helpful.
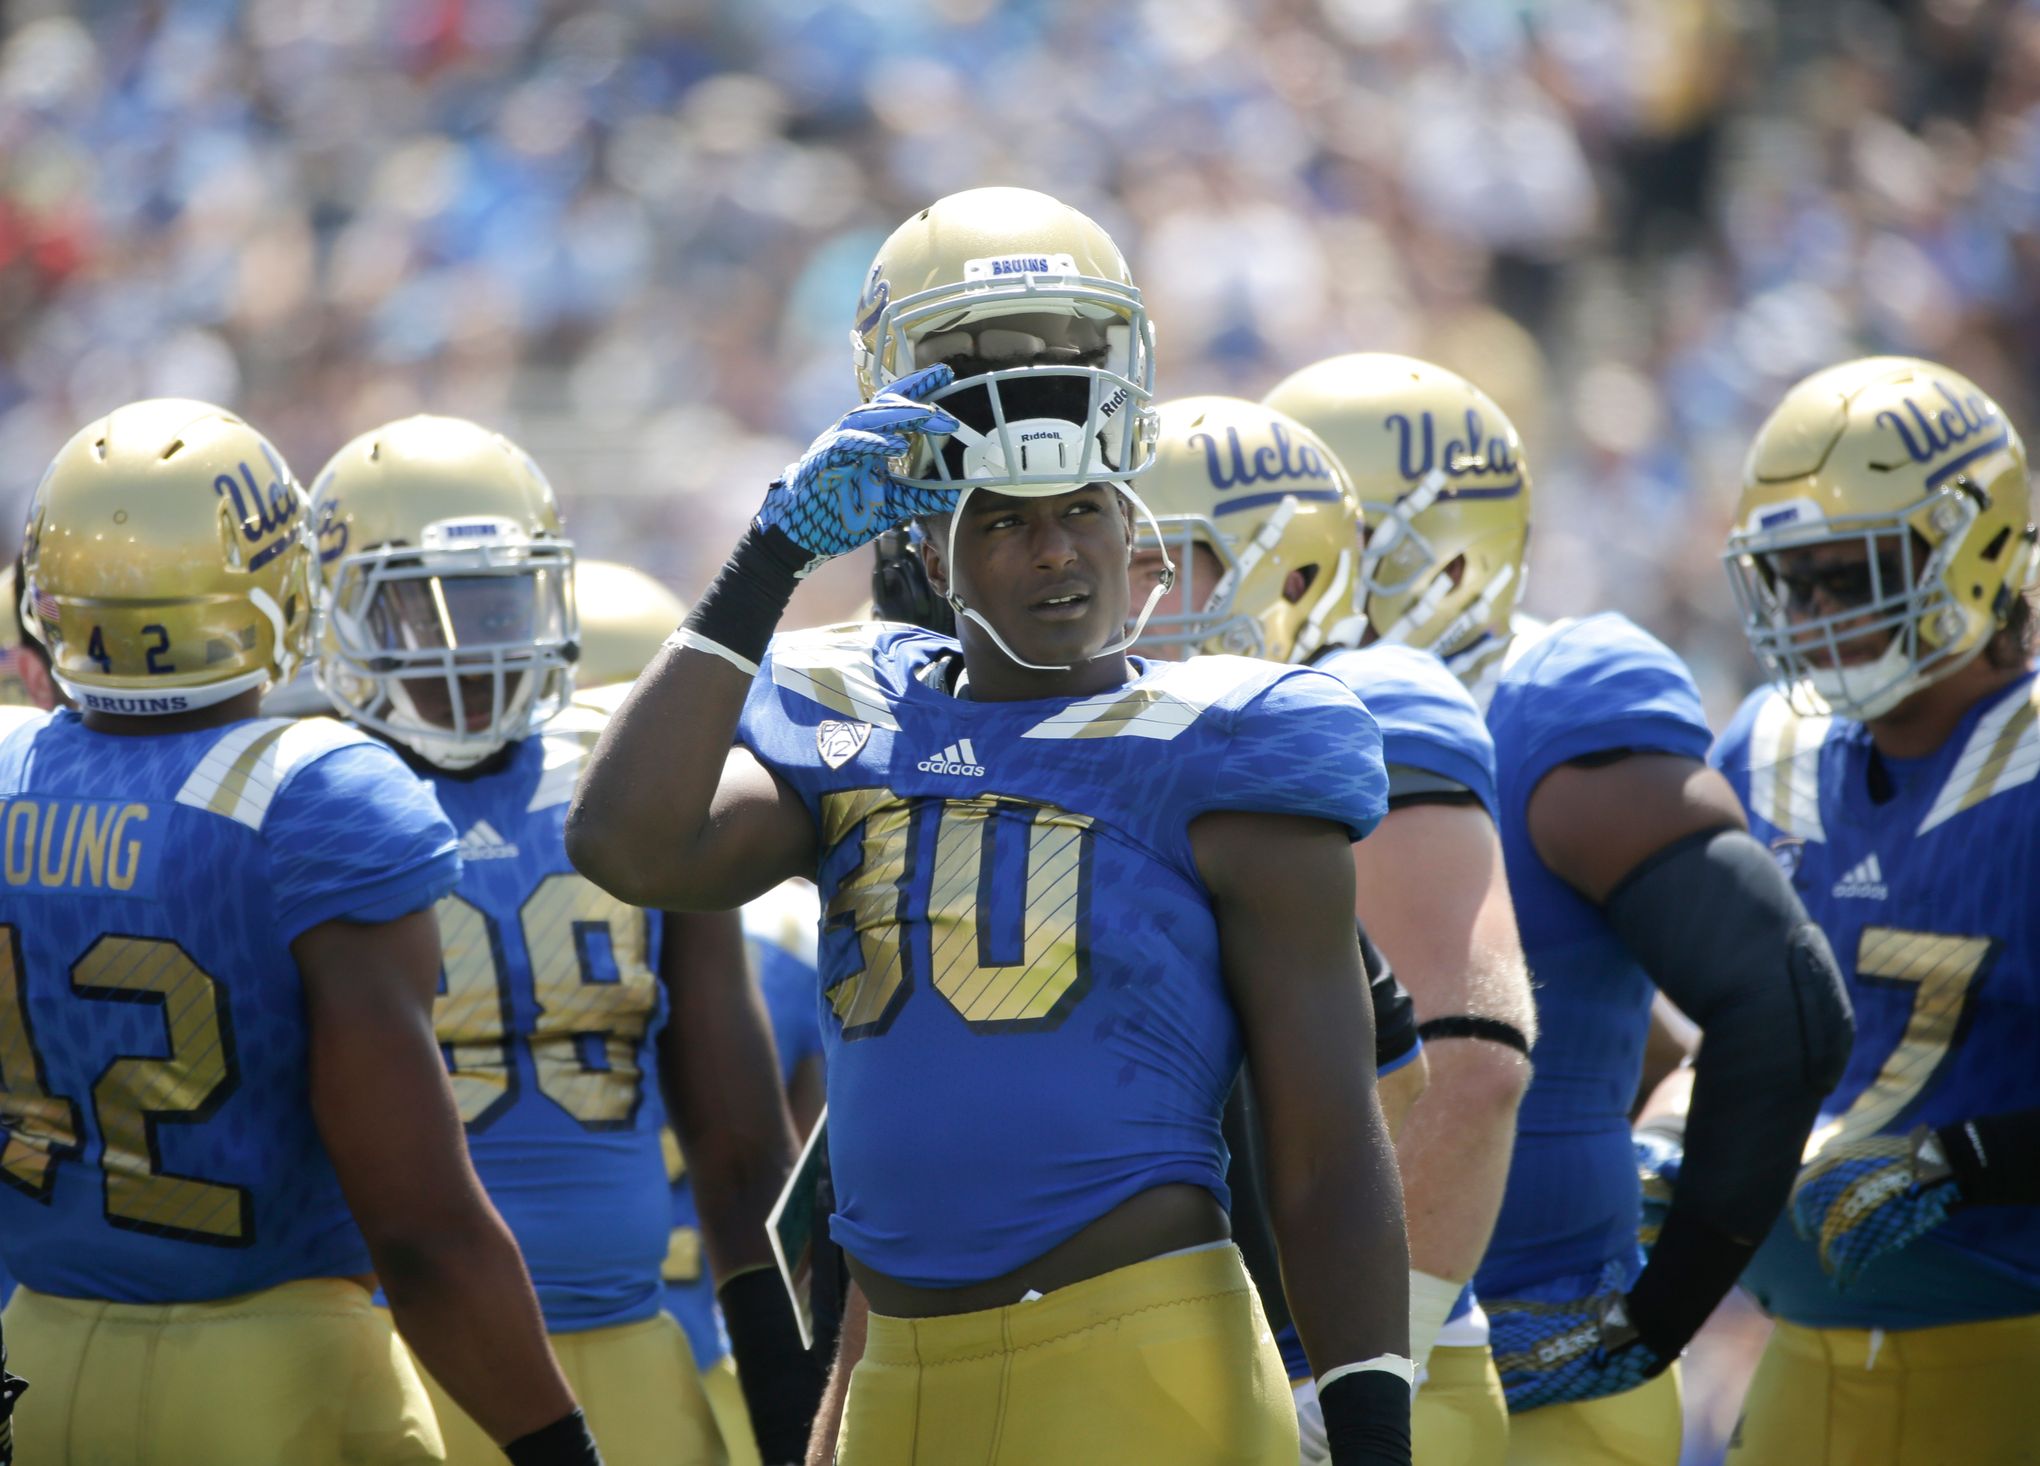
[{"x": 838, "y": 742}]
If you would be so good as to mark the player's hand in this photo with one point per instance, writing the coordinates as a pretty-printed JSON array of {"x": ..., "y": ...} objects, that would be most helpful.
[
  {"x": 1861, "y": 1199},
  {"x": 1555, "y": 1353},
  {"x": 1658, "y": 1156},
  {"x": 841, "y": 494},
  {"x": 1315, "y": 1447}
]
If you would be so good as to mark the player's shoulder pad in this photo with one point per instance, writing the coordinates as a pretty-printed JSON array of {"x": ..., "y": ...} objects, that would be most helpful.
[
  {"x": 15, "y": 717},
  {"x": 1598, "y": 682},
  {"x": 1428, "y": 719},
  {"x": 568, "y": 738},
  {"x": 248, "y": 767},
  {"x": 855, "y": 670},
  {"x": 1771, "y": 755}
]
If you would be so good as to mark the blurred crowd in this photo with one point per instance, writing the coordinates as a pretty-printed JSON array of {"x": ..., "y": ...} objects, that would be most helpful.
[{"x": 631, "y": 233}]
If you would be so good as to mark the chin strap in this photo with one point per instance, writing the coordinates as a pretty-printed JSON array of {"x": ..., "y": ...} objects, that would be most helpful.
[{"x": 1163, "y": 585}]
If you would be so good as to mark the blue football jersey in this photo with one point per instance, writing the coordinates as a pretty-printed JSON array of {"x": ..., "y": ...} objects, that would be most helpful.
[
  {"x": 1027, "y": 1022},
  {"x": 550, "y": 1003},
  {"x": 158, "y": 1138},
  {"x": 1428, "y": 720},
  {"x": 1927, "y": 899},
  {"x": 1571, "y": 1207}
]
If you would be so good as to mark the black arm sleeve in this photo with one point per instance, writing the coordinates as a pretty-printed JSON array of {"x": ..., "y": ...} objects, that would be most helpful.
[{"x": 1722, "y": 934}]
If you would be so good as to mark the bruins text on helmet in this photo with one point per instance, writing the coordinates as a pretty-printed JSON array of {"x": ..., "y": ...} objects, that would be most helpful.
[
  {"x": 1916, "y": 470},
  {"x": 447, "y": 613},
  {"x": 1261, "y": 514},
  {"x": 167, "y": 563},
  {"x": 1440, "y": 475}
]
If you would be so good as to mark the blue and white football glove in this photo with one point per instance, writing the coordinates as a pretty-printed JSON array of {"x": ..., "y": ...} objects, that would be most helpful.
[
  {"x": 1557, "y": 1353},
  {"x": 1860, "y": 1199},
  {"x": 841, "y": 494},
  {"x": 1658, "y": 1157}
]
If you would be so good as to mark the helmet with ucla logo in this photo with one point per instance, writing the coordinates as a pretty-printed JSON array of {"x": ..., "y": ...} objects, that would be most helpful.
[
  {"x": 1271, "y": 504},
  {"x": 1032, "y": 304},
  {"x": 447, "y": 612},
  {"x": 167, "y": 562},
  {"x": 1918, "y": 467},
  {"x": 1439, "y": 472}
]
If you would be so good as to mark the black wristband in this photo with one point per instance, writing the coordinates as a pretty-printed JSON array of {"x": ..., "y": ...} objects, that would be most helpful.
[
  {"x": 1367, "y": 1418},
  {"x": 782, "y": 1382},
  {"x": 1692, "y": 1266},
  {"x": 1476, "y": 1025},
  {"x": 1996, "y": 1158},
  {"x": 742, "y": 609},
  {"x": 566, "y": 1442}
]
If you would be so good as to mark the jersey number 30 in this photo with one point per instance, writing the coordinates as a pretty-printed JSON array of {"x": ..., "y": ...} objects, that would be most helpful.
[{"x": 1008, "y": 955}]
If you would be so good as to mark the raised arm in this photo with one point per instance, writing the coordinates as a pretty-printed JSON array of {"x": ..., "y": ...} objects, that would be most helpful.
[
  {"x": 668, "y": 814},
  {"x": 1431, "y": 892},
  {"x": 1282, "y": 889},
  {"x": 450, "y": 1268}
]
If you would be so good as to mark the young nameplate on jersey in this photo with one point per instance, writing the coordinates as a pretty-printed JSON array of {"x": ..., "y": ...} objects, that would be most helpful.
[
  {"x": 1261, "y": 516},
  {"x": 1065, "y": 892},
  {"x": 1629, "y": 870},
  {"x": 1884, "y": 553},
  {"x": 223, "y": 961},
  {"x": 450, "y": 627}
]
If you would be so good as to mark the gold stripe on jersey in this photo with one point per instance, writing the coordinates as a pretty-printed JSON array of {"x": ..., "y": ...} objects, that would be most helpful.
[
  {"x": 1050, "y": 973},
  {"x": 1785, "y": 767},
  {"x": 240, "y": 774},
  {"x": 2003, "y": 752},
  {"x": 1160, "y": 706},
  {"x": 834, "y": 668},
  {"x": 870, "y": 901}
]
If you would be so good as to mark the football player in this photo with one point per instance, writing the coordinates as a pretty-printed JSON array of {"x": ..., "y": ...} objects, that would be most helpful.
[
  {"x": 1631, "y": 869},
  {"x": 1883, "y": 552},
  {"x": 1261, "y": 516},
  {"x": 449, "y": 628},
  {"x": 1064, "y": 893},
  {"x": 215, "y": 1009}
]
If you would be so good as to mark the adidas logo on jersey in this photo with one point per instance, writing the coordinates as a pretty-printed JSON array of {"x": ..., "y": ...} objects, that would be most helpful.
[
  {"x": 958, "y": 758},
  {"x": 1865, "y": 880},
  {"x": 483, "y": 843}
]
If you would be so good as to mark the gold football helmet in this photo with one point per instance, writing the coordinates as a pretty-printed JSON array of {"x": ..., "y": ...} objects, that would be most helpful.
[
  {"x": 626, "y": 617},
  {"x": 1270, "y": 502},
  {"x": 1439, "y": 471},
  {"x": 168, "y": 561},
  {"x": 447, "y": 615},
  {"x": 1914, "y": 463},
  {"x": 1032, "y": 304}
]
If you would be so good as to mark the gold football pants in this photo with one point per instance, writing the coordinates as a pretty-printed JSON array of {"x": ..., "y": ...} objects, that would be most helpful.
[
  {"x": 309, "y": 1373},
  {"x": 1167, "y": 1360},
  {"x": 1460, "y": 1417},
  {"x": 1967, "y": 1393},
  {"x": 638, "y": 1387},
  {"x": 1639, "y": 1427}
]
